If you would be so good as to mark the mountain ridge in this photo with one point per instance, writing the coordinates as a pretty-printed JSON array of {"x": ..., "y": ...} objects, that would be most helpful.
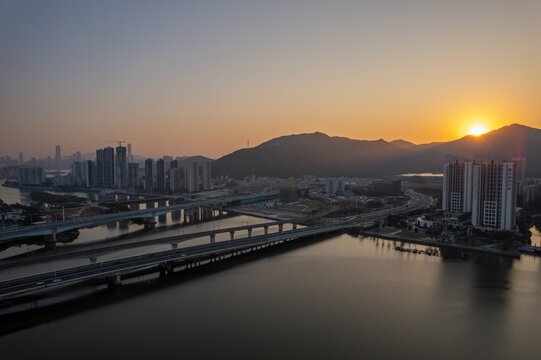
[{"x": 323, "y": 155}]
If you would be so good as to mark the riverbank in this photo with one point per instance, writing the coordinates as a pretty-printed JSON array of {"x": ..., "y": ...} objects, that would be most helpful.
[{"x": 477, "y": 249}]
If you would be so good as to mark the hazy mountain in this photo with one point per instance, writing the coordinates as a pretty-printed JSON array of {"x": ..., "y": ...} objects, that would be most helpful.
[
  {"x": 316, "y": 154},
  {"x": 508, "y": 142},
  {"x": 322, "y": 155},
  {"x": 403, "y": 144}
]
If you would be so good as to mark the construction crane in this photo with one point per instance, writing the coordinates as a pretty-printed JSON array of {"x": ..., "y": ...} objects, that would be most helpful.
[{"x": 118, "y": 141}]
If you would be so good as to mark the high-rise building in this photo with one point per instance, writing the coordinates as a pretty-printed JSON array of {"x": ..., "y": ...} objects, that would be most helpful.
[
  {"x": 178, "y": 179},
  {"x": 193, "y": 176},
  {"x": 206, "y": 175},
  {"x": 520, "y": 169},
  {"x": 160, "y": 175},
  {"x": 83, "y": 173},
  {"x": 129, "y": 154},
  {"x": 108, "y": 167},
  {"x": 21, "y": 158},
  {"x": 488, "y": 189},
  {"x": 31, "y": 175},
  {"x": 58, "y": 158},
  {"x": 121, "y": 168},
  {"x": 167, "y": 159},
  {"x": 149, "y": 177},
  {"x": 331, "y": 186},
  {"x": 173, "y": 164},
  {"x": 494, "y": 195},
  {"x": 198, "y": 176},
  {"x": 90, "y": 173},
  {"x": 457, "y": 186},
  {"x": 99, "y": 167},
  {"x": 133, "y": 175},
  {"x": 77, "y": 173}
]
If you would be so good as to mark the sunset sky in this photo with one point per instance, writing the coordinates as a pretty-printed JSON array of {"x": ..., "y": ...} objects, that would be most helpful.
[{"x": 202, "y": 77}]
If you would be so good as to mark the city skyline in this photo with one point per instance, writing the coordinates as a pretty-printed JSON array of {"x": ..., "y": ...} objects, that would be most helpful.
[
  {"x": 200, "y": 79},
  {"x": 477, "y": 131}
]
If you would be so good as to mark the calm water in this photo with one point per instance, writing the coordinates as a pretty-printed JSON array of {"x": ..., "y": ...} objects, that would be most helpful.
[
  {"x": 12, "y": 196},
  {"x": 342, "y": 297}
]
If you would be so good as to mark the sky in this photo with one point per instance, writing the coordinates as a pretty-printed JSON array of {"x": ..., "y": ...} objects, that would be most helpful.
[{"x": 203, "y": 77}]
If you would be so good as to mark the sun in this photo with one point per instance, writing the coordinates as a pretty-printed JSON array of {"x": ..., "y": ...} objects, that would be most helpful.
[{"x": 477, "y": 129}]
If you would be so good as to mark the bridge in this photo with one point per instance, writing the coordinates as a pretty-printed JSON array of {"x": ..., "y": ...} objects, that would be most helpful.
[
  {"x": 92, "y": 251},
  {"x": 164, "y": 261},
  {"x": 114, "y": 270},
  {"x": 139, "y": 200},
  {"x": 54, "y": 227}
]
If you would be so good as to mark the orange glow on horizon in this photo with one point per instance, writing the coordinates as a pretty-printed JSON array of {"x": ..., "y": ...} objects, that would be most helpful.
[{"x": 477, "y": 129}]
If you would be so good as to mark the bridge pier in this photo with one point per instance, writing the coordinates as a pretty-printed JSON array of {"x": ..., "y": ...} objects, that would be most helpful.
[
  {"x": 51, "y": 241},
  {"x": 280, "y": 227},
  {"x": 149, "y": 223},
  {"x": 203, "y": 213},
  {"x": 169, "y": 267},
  {"x": 266, "y": 227},
  {"x": 294, "y": 226},
  {"x": 212, "y": 238},
  {"x": 174, "y": 245},
  {"x": 232, "y": 235},
  {"x": 114, "y": 281},
  {"x": 249, "y": 232}
]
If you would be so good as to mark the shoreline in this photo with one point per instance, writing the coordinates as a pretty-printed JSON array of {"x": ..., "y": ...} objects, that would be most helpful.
[{"x": 477, "y": 249}]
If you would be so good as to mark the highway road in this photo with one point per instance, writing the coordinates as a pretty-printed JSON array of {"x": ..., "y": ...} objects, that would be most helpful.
[
  {"x": 123, "y": 263},
  {"x": 94, "y": 251},
  {"x": 13, "y": 287},
  {"x": 49, "y": 228}
]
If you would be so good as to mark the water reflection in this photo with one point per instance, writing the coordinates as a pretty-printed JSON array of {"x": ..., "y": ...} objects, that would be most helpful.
[{"x": 340, "y": 297}]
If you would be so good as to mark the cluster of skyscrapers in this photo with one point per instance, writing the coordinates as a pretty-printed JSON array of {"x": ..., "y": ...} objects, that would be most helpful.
[
  {"x": 112, "y": 169},
  {"x": 178, "y": 175},
  {"x": 488, "y": 189}
]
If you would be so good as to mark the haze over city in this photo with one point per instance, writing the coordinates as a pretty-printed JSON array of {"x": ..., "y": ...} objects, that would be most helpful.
[
  {"x": 299, "y": 179},
  {"x": 204, "y": 77}
]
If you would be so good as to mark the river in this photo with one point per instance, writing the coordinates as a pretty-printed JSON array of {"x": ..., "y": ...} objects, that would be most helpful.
[
  {"x": 336, "y": 297},
  {"x": 340, "y": 297}
]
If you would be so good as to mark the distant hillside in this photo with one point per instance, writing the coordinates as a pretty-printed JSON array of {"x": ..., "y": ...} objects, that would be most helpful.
[
  {"x": 322, "y": 155},
  {"x": 508, "y": 142},
  {"x": 403, "y": 144},
  {"x": 316, "y": 154}
]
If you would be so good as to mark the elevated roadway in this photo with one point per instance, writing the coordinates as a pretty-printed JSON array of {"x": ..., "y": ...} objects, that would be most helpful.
[
  {"x": 92, "y": 251},
  {"x": 54, "y": 227},
  {"x": 116, "y": 268}
]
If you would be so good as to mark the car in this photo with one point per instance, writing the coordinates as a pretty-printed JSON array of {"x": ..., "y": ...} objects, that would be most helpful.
[
  {"x": 56, "y": 280},
  {"x": 40, "y": 283}
]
